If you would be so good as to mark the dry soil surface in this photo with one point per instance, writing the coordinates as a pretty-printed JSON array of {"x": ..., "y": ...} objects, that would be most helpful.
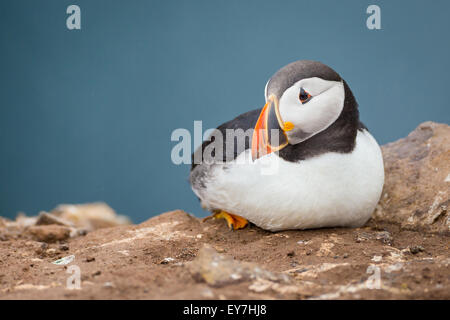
[{"x": 166, "y": 258}]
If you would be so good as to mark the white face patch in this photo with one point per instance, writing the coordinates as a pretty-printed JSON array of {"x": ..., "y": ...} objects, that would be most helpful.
[
  {"x": 318, "y": 113},
  {"x": 265, "y": 89}
]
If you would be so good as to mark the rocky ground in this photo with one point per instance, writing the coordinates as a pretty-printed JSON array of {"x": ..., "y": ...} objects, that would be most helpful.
[{"x": 402, "y": 253}]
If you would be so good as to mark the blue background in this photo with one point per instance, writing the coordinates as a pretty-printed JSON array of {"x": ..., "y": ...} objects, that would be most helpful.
[{"x": 87, "y": 115}]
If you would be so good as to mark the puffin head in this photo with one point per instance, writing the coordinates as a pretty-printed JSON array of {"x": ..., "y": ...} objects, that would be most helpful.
[{"x": 302, "y": 99}]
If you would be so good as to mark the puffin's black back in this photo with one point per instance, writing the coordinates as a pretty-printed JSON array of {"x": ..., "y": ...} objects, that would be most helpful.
[{"x": 244, "y": 121}]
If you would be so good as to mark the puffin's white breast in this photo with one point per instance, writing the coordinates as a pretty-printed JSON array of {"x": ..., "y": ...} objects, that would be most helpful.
[{"x": 333, "y": 189}]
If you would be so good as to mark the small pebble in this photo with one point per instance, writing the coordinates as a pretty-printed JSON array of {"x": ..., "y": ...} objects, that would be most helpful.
[
  {"x": 50, "y": 251},
  {"x": 167, "y": 260},
  {"x": 416, "y": 249}
]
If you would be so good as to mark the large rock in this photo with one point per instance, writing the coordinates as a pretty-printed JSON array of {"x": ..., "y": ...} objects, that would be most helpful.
[
  {"x": 417, "y": 179},
  {"x": 219, "y": 270}
]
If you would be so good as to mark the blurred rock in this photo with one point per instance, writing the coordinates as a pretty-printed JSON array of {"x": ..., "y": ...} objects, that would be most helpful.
[
  {"x": 417, "y": 180},
  {"x": 90, "y": 216},
  {"x": 23, "y": 221},
  {"x": 46, "y": 218},
  {"x": 77, "y": 220},
  {"x": 49, "y": 233},
  {"x": 3, "y": 222}
]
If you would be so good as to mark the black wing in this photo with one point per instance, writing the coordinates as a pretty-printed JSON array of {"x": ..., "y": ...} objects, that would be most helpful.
[{"x": 244, "y": 121}]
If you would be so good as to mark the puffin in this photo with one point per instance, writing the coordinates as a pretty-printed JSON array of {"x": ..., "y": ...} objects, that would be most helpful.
[{"x": 303, "y": 161}]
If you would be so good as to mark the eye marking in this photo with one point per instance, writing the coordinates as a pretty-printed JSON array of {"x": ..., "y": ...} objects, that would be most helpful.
[{"x": 304, "y": 96}]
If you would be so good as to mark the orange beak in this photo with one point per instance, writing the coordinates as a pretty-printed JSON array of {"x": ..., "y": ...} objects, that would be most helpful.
[{"x": 269, "y": 134}]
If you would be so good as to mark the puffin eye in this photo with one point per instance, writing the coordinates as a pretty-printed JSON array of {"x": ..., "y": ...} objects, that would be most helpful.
[{"x": 304, "y": 96}]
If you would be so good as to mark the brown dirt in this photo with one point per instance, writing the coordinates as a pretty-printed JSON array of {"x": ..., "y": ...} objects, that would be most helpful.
[{"x": 128, "y": 262}]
